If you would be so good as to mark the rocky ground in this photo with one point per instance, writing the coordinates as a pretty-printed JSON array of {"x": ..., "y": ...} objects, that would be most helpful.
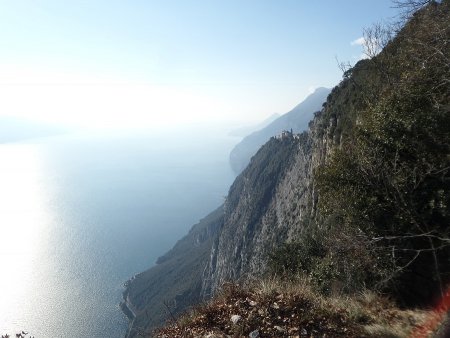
[{"x": 281, "y": 309}]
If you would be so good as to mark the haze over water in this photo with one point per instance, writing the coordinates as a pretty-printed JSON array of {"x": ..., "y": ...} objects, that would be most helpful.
[{"x": 80, "y": 214}]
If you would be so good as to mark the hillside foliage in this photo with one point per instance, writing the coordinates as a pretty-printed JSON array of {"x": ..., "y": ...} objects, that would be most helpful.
[{"x": 384, "y": 192}]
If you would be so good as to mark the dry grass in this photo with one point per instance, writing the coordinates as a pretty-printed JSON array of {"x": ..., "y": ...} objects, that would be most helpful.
[{"x": 294, "y": 309}]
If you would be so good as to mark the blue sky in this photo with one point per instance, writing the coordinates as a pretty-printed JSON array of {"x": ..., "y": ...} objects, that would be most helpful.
[{"x": 148, "y": 62}]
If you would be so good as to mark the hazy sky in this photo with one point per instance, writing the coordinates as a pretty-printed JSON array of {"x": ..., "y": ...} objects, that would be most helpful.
[{"x": 125, "y": 63}]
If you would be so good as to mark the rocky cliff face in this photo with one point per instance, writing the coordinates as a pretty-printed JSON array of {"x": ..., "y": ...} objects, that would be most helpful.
[
  {"x": 274, "y": 199},
  {"x": 270, "y": 203}
]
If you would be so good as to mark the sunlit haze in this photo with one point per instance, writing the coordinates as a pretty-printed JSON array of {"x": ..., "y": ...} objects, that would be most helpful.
[{"x": 144, "y": 63}]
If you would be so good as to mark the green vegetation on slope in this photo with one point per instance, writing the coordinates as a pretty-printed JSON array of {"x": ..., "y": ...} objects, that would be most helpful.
[{"x": 387, "y": 187}]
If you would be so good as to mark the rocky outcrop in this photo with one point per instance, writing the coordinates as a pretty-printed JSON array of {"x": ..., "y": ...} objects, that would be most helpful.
[
  {"x": 256, "y": 209},
  {"x": 270, "y": 203}
]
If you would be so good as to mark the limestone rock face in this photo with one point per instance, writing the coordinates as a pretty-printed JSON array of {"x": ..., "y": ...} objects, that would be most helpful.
[{"x": 270, "y": 203}]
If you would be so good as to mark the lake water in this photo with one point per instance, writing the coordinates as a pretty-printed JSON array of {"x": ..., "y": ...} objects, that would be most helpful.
[{"x": 82, "y": 213}]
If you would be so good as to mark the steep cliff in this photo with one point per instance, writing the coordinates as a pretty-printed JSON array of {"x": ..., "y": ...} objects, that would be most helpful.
[
  {"x": 259, "y": 211},
  {"x": 270, "y": 203}
]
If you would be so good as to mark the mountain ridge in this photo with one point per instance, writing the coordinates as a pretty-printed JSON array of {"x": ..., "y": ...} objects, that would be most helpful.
[{"x": 296, "y": 119}]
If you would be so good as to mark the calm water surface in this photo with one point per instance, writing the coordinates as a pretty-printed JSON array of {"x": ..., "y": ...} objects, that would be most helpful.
[{"x": 81, "y": 213}]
